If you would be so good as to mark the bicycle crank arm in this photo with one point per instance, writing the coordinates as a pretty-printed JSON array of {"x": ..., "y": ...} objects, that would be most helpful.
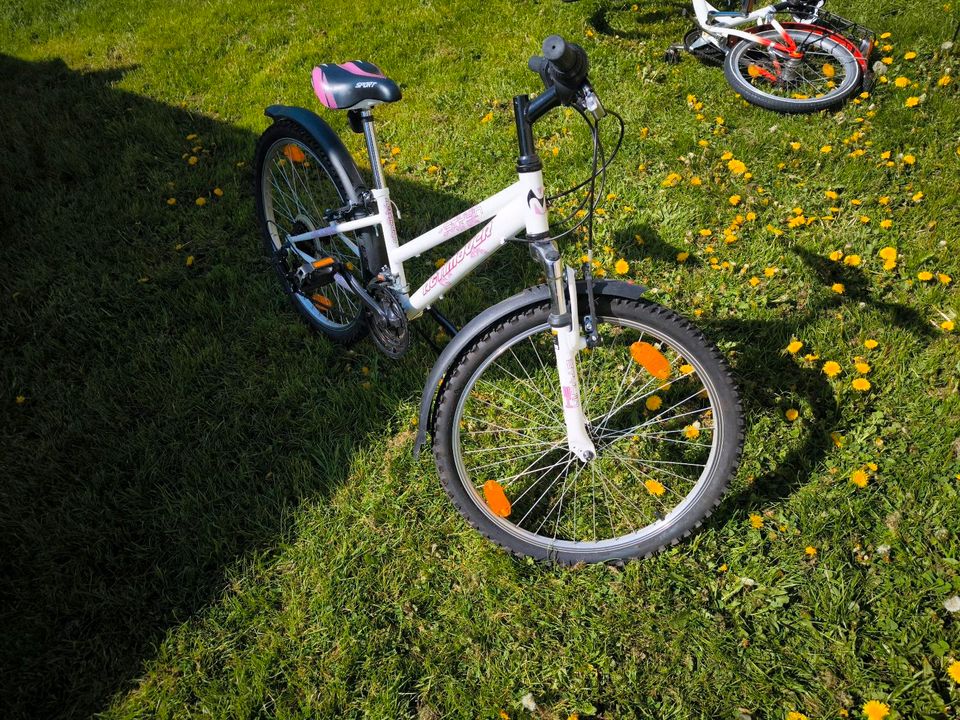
[{"x": 349, "y": 283}]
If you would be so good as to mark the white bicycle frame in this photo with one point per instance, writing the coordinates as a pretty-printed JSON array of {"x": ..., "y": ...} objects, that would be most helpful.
[
  {"x": 522, "y": 206},
  {"x": 724, "y": 25}
]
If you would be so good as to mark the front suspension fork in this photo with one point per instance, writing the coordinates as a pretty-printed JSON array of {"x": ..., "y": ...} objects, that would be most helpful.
[{"x": 568, "y": 341}]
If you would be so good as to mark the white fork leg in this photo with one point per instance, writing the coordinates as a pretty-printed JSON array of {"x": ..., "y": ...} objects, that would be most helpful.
[{"x": 569, "y": 341}]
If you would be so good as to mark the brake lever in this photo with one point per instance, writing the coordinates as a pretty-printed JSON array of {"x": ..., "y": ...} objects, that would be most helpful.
[{"x": 591, "y": 103}]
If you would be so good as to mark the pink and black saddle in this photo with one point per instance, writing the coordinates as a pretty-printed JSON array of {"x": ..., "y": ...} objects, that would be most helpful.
[{"x": 354, "y": 85}]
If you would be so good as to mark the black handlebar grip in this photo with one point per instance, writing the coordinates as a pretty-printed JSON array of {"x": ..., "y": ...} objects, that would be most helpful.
[{"x": 558, "y": 52}]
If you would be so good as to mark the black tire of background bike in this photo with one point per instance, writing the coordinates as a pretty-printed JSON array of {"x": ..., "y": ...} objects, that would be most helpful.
[
  {"x": 287, "y": 129},
  {"x": 672, "y": 327},
  {"x": 768, "y": 102}
]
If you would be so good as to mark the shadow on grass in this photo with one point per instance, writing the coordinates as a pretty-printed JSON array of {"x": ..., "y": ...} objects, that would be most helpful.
[
  {"x": 620, "y": 20},
  {"x": 175, "y": 416}
]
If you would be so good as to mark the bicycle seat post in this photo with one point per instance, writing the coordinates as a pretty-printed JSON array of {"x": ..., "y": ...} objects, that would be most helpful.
[{"x": 366, "y": 117}]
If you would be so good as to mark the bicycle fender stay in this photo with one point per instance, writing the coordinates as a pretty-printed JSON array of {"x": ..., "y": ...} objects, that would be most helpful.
[
  {"x": 462, "y": 341},
  {"x": 343, "y": 164}
]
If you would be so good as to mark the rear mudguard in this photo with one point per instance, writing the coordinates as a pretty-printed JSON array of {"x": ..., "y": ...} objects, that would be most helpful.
[
  {"x": 465, "y": 339},
  {"x": 345, "y": 168}
]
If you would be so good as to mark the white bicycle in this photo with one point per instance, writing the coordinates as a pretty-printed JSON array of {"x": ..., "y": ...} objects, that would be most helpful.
[
  {"x": 575, "y": 421},
  {"x": 815, "y": 61}
]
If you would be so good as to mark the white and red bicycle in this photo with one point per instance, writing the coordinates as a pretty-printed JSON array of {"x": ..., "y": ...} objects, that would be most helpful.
[
  {"x": 575, "y": 421},
  {"x": 814, "y": 61}
]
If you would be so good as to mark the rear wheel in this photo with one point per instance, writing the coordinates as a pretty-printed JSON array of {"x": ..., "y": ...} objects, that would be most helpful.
[
  {"x": 822, "y": 78},
  {"x": 295, "y": 186},
  {"x": 663, "y": 413}
]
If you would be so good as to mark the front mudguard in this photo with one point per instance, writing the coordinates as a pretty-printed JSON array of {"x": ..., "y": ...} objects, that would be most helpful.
[
  {"x": 468, "y": 335},
  {"x": 344, "y": 167}
]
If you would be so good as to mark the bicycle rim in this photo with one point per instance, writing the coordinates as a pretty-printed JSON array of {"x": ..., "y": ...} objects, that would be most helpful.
[
  {"x": 658, "y": 440},
  {"x": 297, "y": 189}
]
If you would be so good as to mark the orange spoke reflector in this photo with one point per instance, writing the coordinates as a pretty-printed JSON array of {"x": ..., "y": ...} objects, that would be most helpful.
[
  {"x": 753, "y": 71},
  {"x": 294, "y": 153},
  {"x": 322, "y": 302},
  {"x": 323, "y": 262},
  {"x": 496, "y": 498},
  {"x": 828, "y": 70},
  {"x": 652, "y": 360}
]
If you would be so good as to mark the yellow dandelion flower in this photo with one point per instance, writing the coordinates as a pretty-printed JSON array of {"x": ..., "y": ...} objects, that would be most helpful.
[
  {"x": 837, "y": 438},
  {"x": 555, "y": 150},
  {"x": 794, "y": 347},
  {"x": 887, "y": 60},
  {"x": 859, "y": 478},
  {"x": 394, "y": 151},
  {"x": 884, "y": 199},
  {"x": 754, "y": 281},
  {"x": 218, "y": 192},
  {"x": 954, "y": 671},
  {"x": 686, "y": 369},
  {"x": 912, "y": 101},
  {"x": 889, "y": 255},
  {"x": 852, "y": 260},
  {"x": 726, "y": 156},
  {"x": 189, "y": 262},
  {"x": 831, "y": 368},
  {"x": 653, "y": 402},
  {"x": 831, "y": 194},
  {"x": 672, "y": 179},
  {"x": 886, "y": 223},
  {"x": 909, "y": 159},
  {"x": 735, "y": 199},
  {"x": 192, "y": 136},
  {"x": 796, "y": 716},
  {"x": 909, "y": 55},
  {"x": 486, "y": 118},
  {"x": 704, "y": 232},
  {"x": 810, "y": 550},
  {"x": 835, "y": 255},
  {"x": 924, "y": 276},
  {"x": 433, "y": 169},
  {"x": 902, "y": 82},
  {"x": 20, "y": 399},
  {"x": 885, "y": 35},
  {"x": 791, "y": 414},
  {"x": 192, "y": 160},
  {"x": 756, "y": 521},
  {"x": 171, "y": 201},
  {"x": 917, "y": 196},
  {"x": 696, "y": 181},
  {"x": 944, "y": 81},
  {"x": 201, "y": 201},
  {"x": 654, "y": 488},
  {"x": 838, "y": 288},
  {"x": 947, "y": 326},
  {"x": 736, "y": 167},
  {"x": 861, "y": 384},
  {"x": 682, "y": 256},
  {"x": 692, "y": 432},
  {"x": 944, "y": 278},
  {"x": 862, "y": 367},
  {"x": 621, "y": 267},
  {"x": 703, "y": 143},
  {"x": 723, "y": 568},
  {"x": 440, "y": 263},
  {"x": 864, "y": 219},
  {"x": 870, "y": 343},
  {"x": 826, "y": 148},
  {"x": 875, "y": 710},
  {"x": 795, "y": 146}
]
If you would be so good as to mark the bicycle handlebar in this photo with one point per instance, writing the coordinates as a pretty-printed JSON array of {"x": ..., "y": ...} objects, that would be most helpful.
[{"x": 563, "y": 65}]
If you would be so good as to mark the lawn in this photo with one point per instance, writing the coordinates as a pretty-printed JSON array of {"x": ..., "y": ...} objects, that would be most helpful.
[{"x": 206, "y": 510}]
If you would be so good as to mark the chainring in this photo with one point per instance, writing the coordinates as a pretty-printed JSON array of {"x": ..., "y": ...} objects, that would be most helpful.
[{"x": 391, "y": 336}]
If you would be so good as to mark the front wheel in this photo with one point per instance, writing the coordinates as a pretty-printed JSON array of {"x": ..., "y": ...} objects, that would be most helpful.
[
  {"x": 823, "y": 75},
  {"x": 663, "y": 413}
]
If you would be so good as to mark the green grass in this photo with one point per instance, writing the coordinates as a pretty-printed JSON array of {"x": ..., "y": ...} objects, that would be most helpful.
[{"x": 205, "y": 513}]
